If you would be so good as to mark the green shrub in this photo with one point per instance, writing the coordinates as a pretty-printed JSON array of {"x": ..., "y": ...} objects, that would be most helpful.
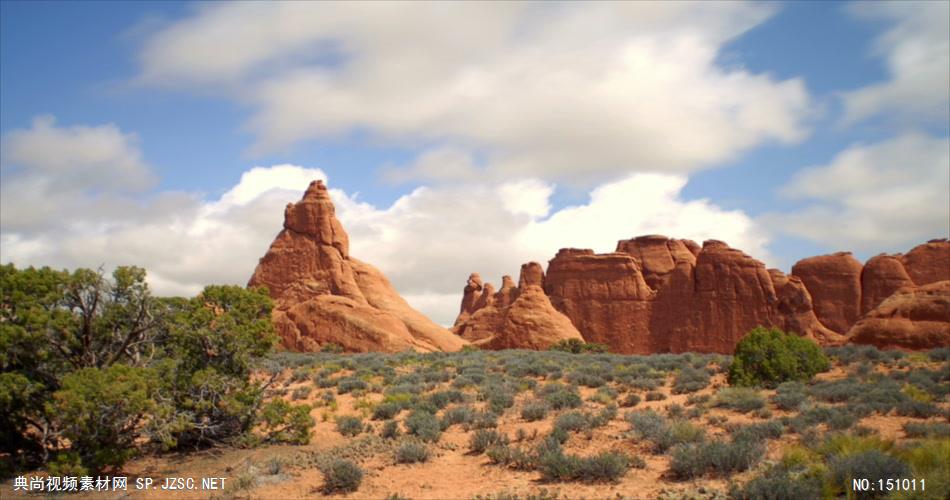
[
  {"x": 779, "y": 483},
  {"x": 283, "y": 422},
  {"x": 390, "y": 430},
  {"x": 630, "y": 400},
  {"x": 484, "y": 438},
  {"x": 457, "y": 415},
  {"x": 871, "y": 464},
  {"x": 483, "y": 420},
  {"x": 690, "y": 379},
  {"x": 424, "y": 425},
  {"x": 101, "y": 411},
  {"x": 927, "y": 429},
  {"x": 720, "y": 457},
  {"x": 575, "y": 346},
  {"x": 341, "y": 476},
  {"x": 564, "y": 398},
  {"x": 607, "y": 466},
  {"x": 655, "y": 396},
  {"x": 789, "y": 396},
  {"x": 331, "y": 348},
  {"x": 411, "y": 451},
  {"x": 741, "y": 399},
  {"x": 350, "y": 384},
  {"x": 386, "y": 411},
  {"x": 769, "y": 357},
  {"x": 349, "y": 425},
  {"x": 534, "y": 410}
]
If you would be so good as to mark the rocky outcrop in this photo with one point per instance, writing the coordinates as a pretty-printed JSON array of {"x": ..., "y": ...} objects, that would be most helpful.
[
  {"x": 834, "y": 282},
  {"x": 656, "y": 294},
  {"x": 323, "y": 295},
  {"x": 881, "y": 277},
  {"x": 514, "y": 318},
  {"x": 915, "y": 317},
  {"x": 928, "y": 263}
]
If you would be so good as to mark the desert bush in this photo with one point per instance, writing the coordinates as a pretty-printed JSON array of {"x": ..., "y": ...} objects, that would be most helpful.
[
  {"x": 928, "y": 460},
  {"x": 675, "y": 411},
  {"x": 386, "y": 411},
  {"x": 690, "y": 379},
  {"x": 483, "y": 420},
  {"x": 698, "y": 399},
  {"x": 927, "y": 429},
  {"x": 534, "y": 410},
  {"x": 761, "y": 431},
  {"x": 770, "y": 357},
  {"x": 866, "y": 464},
  {"x": 349, "y": 425},
  {"x": 720, "y": 457},
  {"x": 789, "y": 396},
  {"x": 607, "y": 466},
  {"x": 741, "y": 399},
  {"x": 837, "y": 391},
  {"x": 778, "y": 483},
  {"x": 575, "y": 346},
  {"x": 300, "y": 393},
  {"x": 917, "y": 409},
  {"x": 341, "y": 476},
  {"x": 655, "y": 396},
  {"x": 462, "y": 414},
  {"x": 283, "y": 422},
  {"x": 482, "y": 439},
  {"x": 500, "y": 400},
  {"x": 350, "y": 384},
  {"x": 559, "y": 396},
  {"x": 390, "y": 430},
  {"x": 424, "y": 425},
  {"x": 441, "y": 399},
  {"x": 411, "y": 451},
  {"x": 630, "y": 400}
]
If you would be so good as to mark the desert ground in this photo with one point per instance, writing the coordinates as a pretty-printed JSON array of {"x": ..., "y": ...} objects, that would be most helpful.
[{"x": 475, "y": 425}]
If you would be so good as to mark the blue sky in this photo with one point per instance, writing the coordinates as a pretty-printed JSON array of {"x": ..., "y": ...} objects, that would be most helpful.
[{"x": 780, "y": 128}]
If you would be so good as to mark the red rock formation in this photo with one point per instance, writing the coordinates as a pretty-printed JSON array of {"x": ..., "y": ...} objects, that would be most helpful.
[
  {"x": 796, "y": 311},
  {"x": 928, "y": 263},
  {"x": 605, "y": 296},
  {"x": 916, "y": 317},
  {"x": 521, "y": 318},
  {"x": 834, "y": 282},
  {"x": 881, "y": 277},
  {"x": 323, "y": 295}
]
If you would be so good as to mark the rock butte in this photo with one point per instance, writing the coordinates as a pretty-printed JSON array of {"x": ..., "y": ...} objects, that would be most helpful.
[
  {"x": 657, "y": 294},
  {"x": 323, "y": 295}
]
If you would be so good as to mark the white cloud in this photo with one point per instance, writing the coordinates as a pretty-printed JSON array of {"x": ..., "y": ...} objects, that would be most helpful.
[
  {"x": 427, "y": 242},
  {"x": 886, "y": 196},
  {"x": 917, "y": 53},
  {"x": 102, "y": 157},
  {"x": 574, "y": 92}
]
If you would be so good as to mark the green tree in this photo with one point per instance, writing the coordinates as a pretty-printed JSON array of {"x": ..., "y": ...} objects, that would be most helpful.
[
  {"x": 100, "y": 411},
  {"x": 209, "y": 346},
  {"x": 768, "y": 357},
  {"x": 53, "y": 323}
]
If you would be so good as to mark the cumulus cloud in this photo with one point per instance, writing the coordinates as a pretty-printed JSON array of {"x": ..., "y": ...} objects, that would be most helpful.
[
  {"x": 426, "y": 242},
  {"x": 916, "y": 50},
  {"x": 571, "y": 92},
  {"x": 886, "y": 196}
]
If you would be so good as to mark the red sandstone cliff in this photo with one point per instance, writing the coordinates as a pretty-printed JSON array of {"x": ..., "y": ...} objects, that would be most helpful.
[
  {"x": 324, "y": 295},
  {"x": 656, "y": 294}
]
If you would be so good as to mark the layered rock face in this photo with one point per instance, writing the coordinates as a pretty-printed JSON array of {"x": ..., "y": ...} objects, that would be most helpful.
[
  {"x": 656, "y": 294},
  {"x": 519, "y": 317},
  {"x": 323, "y": 295}
]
